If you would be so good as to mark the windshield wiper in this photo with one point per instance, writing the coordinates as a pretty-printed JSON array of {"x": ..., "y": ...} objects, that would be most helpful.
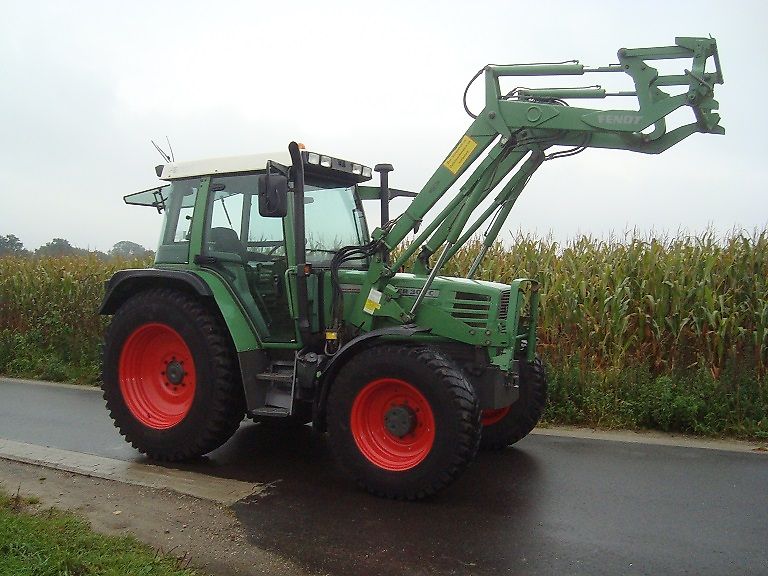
[{"x": 226, "y": 213}]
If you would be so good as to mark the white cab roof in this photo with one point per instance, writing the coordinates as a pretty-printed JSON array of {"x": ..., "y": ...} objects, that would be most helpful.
[{"x": 226, "y": 165}]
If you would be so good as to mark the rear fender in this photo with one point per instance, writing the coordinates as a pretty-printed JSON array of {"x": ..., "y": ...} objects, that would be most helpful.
[{"x": 126, "y": 283}]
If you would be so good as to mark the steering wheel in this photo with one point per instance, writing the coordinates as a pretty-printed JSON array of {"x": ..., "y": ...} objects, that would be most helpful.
[
  {"x": 261, "y": 257},
  {"x": 257, "y": 257}
]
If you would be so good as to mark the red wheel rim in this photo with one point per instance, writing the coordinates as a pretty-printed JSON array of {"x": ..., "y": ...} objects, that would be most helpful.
[
  {"x": 492, "y": 416},
  {"x": 157, "y": 376},
  {"x": 383, "y": 448}
]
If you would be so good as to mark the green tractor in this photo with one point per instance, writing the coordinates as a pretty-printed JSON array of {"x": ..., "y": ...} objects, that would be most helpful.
[{"x": 269, "y": 296}]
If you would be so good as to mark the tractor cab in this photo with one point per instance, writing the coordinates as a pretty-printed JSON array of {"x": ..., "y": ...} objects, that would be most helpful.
[{"x": 224, "y": 215}]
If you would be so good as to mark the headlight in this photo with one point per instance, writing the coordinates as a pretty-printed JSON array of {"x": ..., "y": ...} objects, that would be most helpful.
[{"x": 352, "y": 171}]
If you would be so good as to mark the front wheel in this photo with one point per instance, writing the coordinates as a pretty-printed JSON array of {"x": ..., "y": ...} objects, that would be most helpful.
[
  {"x": 505, "y": 426},
  {"x": 169, "y": 376},
  {"x": 404, "y": 421}
]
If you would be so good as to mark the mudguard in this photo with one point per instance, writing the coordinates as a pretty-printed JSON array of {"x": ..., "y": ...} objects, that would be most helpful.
[
  {"x": 203, "y": 283},
  {"x": 123, "y": 284},
  {"x": 345, "y": 352}
]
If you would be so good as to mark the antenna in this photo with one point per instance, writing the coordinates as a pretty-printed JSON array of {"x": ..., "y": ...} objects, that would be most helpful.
[
  {"x": 160, "y": 150},
  {"x": 170, "y": 149}
]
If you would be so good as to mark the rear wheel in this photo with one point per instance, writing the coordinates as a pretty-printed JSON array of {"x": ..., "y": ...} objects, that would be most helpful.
[
  {"x": 505, "y": 426},
  {"x": 169, "y": 376},
  {"x": 404, "y": 421}
]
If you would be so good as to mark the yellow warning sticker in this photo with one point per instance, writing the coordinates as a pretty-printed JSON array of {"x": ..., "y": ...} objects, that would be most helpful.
[
  {"x": 459, "y": 156},
  {"x": 373, "y": 302}
]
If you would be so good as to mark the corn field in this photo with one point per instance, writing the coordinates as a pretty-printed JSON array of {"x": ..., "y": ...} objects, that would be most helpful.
[
  {"x": 655, "y": 333},
  {"x": 49, "y": 326},
  {"x": 681, "y": 303}
]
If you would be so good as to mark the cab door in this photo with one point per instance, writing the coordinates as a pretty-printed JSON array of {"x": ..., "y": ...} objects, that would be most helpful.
[{"x": 249, "y": 251}]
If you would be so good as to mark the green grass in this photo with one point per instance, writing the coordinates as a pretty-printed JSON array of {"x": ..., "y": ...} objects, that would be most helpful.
[
  {"x": 55, "y": 543},
  {"x": 688, "y": 401}
]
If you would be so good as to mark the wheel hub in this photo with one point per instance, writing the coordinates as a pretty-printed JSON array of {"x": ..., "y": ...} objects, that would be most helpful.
[
  {"x": 157, "y": 376},
  {"x": 400, "y": 420},
  {"x": 174, "y": 371},
  {"x": 392, "y": 424}
]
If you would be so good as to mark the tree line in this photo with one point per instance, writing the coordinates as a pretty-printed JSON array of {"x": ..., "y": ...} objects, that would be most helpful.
[{"x": 10, "y": 245}]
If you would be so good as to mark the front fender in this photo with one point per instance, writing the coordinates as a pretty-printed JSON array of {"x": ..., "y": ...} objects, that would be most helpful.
[{"x": 332, "y": 367}]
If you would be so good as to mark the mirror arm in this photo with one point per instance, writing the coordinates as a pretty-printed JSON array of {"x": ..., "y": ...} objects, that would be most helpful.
[{"x": 300, "y": 242}]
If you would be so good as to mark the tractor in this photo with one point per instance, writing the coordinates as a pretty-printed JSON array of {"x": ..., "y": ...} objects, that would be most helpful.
[{"x": 271, "y": 298}]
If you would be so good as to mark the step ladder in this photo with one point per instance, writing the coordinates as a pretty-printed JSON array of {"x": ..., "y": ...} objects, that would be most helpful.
[{"x": 276, "y": 388}]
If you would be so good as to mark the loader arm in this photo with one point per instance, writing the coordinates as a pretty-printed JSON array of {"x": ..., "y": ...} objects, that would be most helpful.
[{"x": 515, "y": 130}]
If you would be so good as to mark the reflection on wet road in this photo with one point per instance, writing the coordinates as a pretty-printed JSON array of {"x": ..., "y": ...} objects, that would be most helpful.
[{"x": 551, "y": 506}]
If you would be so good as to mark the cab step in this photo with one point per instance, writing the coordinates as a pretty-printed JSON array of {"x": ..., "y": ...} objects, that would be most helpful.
[
  {"x": 281, "y": 377},
  {"x": 271, "y": 411},
  {"x": 274, "y": 390}
]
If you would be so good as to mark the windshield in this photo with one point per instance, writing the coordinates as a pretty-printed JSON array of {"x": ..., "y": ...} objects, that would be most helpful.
[{"x": 332, "y": 220}]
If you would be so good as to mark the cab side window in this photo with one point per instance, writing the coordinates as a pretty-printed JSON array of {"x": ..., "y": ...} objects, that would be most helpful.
[
  {"x": 174, "y": 240},
  {"x": 235, "y": 224}
]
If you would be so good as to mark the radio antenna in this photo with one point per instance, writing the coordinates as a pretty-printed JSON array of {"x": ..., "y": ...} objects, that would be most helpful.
[
  {"x": 162, "y": 153},
  {"x": 170, "y": 149}
]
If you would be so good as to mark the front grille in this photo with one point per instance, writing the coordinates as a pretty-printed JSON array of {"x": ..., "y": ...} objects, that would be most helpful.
[
  {"x": 504, "y": 305},
  {"x": 472, "y": 309}
]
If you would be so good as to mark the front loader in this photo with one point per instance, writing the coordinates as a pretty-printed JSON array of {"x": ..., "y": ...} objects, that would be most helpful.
[{"x": 269, "y": 296}]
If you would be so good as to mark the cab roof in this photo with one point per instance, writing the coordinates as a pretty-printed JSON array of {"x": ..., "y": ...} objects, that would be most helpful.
[{"x": 225, "y": 165}]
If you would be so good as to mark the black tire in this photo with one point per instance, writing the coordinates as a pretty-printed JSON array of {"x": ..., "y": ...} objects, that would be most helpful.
[
  {"x": 524, "y": 414},
  {"x": 216, "y": 404},
  {"x": 436, "y": 396}
]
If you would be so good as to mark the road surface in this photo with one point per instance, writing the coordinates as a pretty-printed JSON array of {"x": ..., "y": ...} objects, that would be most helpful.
[{"x": 551, "y": 505}]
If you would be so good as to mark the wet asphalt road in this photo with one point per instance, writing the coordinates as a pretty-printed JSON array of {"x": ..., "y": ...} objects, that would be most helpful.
[{"x": 552, "y": 505}]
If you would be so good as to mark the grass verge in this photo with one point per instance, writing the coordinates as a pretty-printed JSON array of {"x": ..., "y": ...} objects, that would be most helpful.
[
  {"x": 691, "y": 401},
  {"x": 56, "y": 543}
]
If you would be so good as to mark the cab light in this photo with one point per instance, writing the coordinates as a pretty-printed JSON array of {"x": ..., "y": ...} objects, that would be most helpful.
[
  {"x": 367, "y": 172},
  {"x": 325, "y": 161},
  {"x": 313, "y": 158},
  {"x": 356, "y": 169}
]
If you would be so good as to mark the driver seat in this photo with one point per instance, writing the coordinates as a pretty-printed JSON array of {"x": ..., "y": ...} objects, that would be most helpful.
[{"x": 227, "y": 240}]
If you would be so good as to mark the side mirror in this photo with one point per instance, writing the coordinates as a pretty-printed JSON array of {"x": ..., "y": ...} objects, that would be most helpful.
[{"x": 273, "y": 195}]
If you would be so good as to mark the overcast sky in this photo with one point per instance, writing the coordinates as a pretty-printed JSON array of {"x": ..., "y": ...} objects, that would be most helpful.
[{"x": 84, "y": 86}]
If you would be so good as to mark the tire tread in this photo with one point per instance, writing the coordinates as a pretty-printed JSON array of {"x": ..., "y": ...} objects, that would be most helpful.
[
  {"x": 464, "y": 402},
  {"x": 225, "y": 413}
]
